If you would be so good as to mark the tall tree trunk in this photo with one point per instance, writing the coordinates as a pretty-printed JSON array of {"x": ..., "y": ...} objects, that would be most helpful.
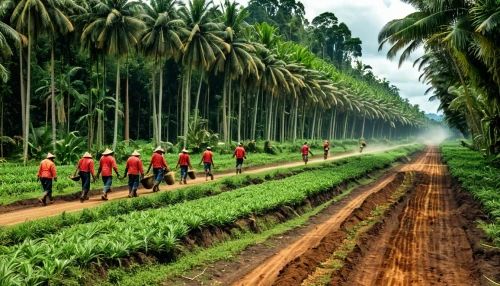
[
  {"x": 127, "y": 109},
  {"x": 345, "y": 125},
  {"x": 295, "y": 120},
  {"x": 117, "y": 101},
  {"x": 155, "y": 122},
  {"x": 198, "y": 99},
  {"x": 239, "y": 109},
  {"x": 23, "y": 90},
  {"x": 139, "y": 117},
  {"x": 28, "y": 93},
  {"x": 254, "y": 125},
  {"x": 269, "y": 120},
  {"x": 1, "y": 129},
  {"x": 314, "y": 122},
  {"x": 224, "y": 110},
  {"x": 230, "y": 109},
  {"x": 363, "y": 128},
  {"x": 186, "y": 110},
  {"x": 303, "y": 122},
  {"x": 160, "y": 101},
  {"x": 53, "y": 97}
]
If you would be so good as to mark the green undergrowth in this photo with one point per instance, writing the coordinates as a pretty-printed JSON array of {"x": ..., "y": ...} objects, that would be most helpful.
[
  {"x": 18, "y": 182},
  {"x": 157, "y": 232},
  {"x": 479, "y": 178},
  {"x": 41, "y": 227}
]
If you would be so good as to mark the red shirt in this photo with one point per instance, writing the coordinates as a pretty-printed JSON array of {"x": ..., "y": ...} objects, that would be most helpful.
[
  {"x": 184, "y": 160},
  {"x": 326, "y": 144},
  {"x": 86, "y": 165},
  {"x": 305, "y": 150},
  {"x": 239, "y": 153},
  {"x": 47, "y": 169},
  {"x": 207, "y": 157},
  {"x": 106, "y": 164},
  {"x": 158, "y": 161},
  {"x": 134, "y": 166}
]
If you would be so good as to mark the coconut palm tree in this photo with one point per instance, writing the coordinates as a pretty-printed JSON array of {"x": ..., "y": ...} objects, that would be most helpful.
[
  {"x": 162, "y": 39},
  {"x": 201, "y": 48},
  {"x": 118, "y": 30}
]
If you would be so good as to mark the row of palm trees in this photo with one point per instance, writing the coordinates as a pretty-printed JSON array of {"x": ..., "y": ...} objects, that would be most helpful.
[
  {"x": 205, "y": 40},
  {"x": 461, "y": 64}
]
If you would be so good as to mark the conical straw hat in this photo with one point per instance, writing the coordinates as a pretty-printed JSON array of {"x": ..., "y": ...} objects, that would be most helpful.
[
  {"x": 159, "y": 149},
  {"x": 50, "y": 156},
  {"x": 136, "y": 153},
  {"x": 87, "y": 155},
  {"x": 184, "y": 151},
  {"x": 107, "y": 152}
]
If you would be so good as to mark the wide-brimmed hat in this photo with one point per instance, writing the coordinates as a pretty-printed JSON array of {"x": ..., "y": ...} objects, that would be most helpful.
[
  {"x": 184, "y": 151},
  {"x": 159, "y": 149},
  {"x": 50, "y": 156},
  {"x": 136, "y": 153},
  {"x": 107, "y": 152},
  {"x": 87, "y": 155},
  {"x": 239, "y": 144},
  {"x": 209, "y": 148},
  {"x": 326, "y": 141}
]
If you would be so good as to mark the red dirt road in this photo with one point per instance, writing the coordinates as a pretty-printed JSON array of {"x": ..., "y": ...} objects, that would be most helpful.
[
  {"x": 30, "y": 213},
  {"x": 426, "y": 245}
]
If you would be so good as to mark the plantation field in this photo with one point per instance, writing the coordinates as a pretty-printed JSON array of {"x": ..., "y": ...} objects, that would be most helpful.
[
  {"x": 67, "y": 248},
  {"x": 478, "y": 177},
  {"x": 18, "y": 182}
]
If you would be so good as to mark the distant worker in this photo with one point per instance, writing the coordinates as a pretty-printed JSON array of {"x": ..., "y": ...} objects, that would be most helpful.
[
  {"x": 159, "y": 166},
  {"x": 107, "y": 163},
  {"x": 132, "y": 169},
  {"x": 363, "y": 145},
  {"x": 85, "y": 168},
  {"x": 326, "y": 149},
  {"x": 185, "y": 162},
  {"x": 240, "y": 154},
  {"x": 208, "y": 163},
  {"x": 305, "y": 153},
  {"x": 46, "y": 173}
]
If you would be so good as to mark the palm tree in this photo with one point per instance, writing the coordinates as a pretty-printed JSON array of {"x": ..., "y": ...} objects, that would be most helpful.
[
  {"x": 118, "y": 30},
  {"x": 239, "y": 61},
  {"x": 6, "y": 32},
  {"x": 201, "y": 48},
  {"x": 162, "y": 39}
]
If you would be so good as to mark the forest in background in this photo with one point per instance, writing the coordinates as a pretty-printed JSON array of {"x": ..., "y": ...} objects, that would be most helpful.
[{"x": 162, "y": 71}]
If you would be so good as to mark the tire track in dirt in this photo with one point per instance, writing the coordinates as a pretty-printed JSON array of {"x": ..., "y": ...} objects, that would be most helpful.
[
  {"x": 36, "y": 212},
  {"x": 427, "y": 245}
]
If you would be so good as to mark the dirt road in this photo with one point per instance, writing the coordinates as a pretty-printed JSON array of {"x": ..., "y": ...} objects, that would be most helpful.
[
  {"x": 425, "y": 245},
  {"x": 35, "y": 212}
]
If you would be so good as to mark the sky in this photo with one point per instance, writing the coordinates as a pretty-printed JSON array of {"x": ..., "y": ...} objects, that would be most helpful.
[{"x": 365, "y": 18}]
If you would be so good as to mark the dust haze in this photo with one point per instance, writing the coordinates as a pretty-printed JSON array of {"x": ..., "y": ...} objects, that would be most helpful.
[{"x": 434, "y": 136}]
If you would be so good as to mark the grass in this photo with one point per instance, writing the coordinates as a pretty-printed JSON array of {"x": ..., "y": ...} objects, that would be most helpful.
[{"x": 225, "y": 251}]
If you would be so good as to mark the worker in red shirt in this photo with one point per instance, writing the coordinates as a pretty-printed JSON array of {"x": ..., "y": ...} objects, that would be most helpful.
[
  {"x": 185, "y": 162},
  {"x": 240, "y": 154},
  {"x": 305, "y": 153},
  {"x": 208, "y": 163},
  {"x": 107, "y": 163},
  {"x": 362, "y": 145},
  {"x": 159, "y": 166},
  {"x": 46, "y": 173},
  {"x": 133, "y": 168},
  {"x": 86, "y": 168}
]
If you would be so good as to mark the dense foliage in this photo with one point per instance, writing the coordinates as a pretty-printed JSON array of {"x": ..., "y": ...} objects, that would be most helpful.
[
  {"x": 158, "y": 231},
  {"x": 278, "y": 78},
  {"x": 478, "y": 177},
  {"x": 460, "y": 63}
]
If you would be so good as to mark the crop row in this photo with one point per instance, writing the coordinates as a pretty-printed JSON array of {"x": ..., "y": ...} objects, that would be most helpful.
[
  {"x": 158, "y": 231},
  {"x": 478, "y": 177}
]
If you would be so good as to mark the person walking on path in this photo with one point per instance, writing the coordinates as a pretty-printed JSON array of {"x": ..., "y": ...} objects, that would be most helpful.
[
  {"x": 86, "y": 168},
  {"x": 107, "y": 163},
  {"x": 208, "y": 163},
  {"x": 133, "y": 168},
  {"x": 363, "y": 145},
  {"x": 305, "y": 153},
  {"x": 326, "y": 149},
  {"x": 240, "y": 154},
  {"x": 47, "y": 173},
  {"x": 185, "y": 162},
  {"x": 159, "y": 166}
]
